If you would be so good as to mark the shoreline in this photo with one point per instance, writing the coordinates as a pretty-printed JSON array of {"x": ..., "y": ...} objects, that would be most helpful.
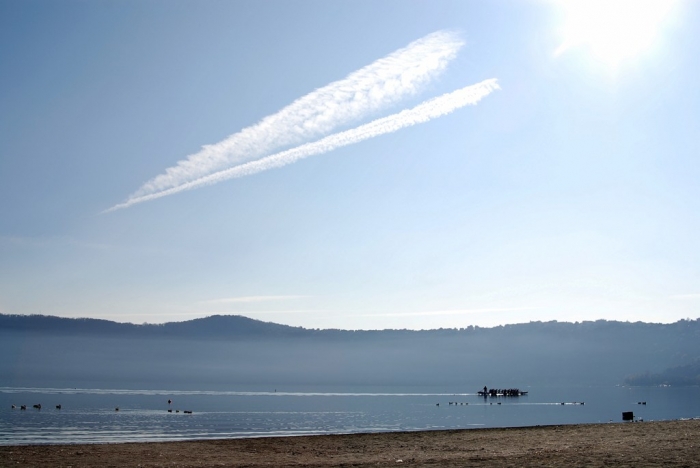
[{"x": 651, "y": 443}]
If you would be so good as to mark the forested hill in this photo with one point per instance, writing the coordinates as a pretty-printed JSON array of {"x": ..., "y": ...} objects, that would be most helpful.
[
  {"x": 233, "y": 350},
  {"x": 235, "y": 326},
  {"x": 217, "y": 326},
  {"x": 685, "y": 375}
]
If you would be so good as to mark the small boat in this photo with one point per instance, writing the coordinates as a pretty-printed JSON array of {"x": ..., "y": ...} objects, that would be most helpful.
[{"x": 500, "y": 392}]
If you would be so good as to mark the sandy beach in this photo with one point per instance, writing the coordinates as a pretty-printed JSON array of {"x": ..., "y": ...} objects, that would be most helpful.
[{"x": 668, "y": 443}]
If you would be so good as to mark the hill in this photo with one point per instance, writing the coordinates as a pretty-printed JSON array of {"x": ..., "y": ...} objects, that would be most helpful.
[
  {"x": 685, "y": 375},
  {"x": 234, "y": 351}
]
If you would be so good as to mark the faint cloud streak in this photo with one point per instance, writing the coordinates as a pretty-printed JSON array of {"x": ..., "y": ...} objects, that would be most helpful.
[
  {"x": 681, "y": 297},
  {"x": 250, "y": 299},
  {"x": 447, "y": 312}
]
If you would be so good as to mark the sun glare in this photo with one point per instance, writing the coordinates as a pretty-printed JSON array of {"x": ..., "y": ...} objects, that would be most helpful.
[{"x": 612, "y": 30}]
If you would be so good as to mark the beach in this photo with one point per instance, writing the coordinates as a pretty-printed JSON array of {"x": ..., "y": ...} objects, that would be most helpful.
[{"x": 663, "y": 443}]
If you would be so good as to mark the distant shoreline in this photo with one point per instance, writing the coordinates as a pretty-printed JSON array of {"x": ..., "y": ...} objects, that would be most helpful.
[{"x": 657, "y": 443}]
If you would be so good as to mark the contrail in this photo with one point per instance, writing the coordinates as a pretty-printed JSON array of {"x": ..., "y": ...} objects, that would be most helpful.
[
  {"x": 428, "y": 110},
  {"x": 363, "y": 92}
]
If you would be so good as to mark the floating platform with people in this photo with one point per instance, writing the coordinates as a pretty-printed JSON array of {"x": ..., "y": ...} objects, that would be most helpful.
[{"x": 500, "y": 392}]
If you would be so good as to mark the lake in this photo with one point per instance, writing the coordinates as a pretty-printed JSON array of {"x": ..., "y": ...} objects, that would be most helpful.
[{"x": 89, "y": 415}]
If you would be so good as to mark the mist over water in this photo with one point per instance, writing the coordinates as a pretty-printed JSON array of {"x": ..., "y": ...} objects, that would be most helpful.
[
  {"x": 89, "y": 416},
  {"x": 244, "y": 378}
]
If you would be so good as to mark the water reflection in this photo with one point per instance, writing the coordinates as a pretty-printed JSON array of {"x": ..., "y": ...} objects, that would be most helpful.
[{"x": 88, "y": 416}]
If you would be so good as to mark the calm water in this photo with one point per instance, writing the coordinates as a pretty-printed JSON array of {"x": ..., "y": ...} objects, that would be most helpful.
[{"x": 88, "y": 415}]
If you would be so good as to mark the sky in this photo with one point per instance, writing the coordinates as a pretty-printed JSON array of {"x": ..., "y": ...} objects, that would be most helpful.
[{"x": 350, "y": 164}]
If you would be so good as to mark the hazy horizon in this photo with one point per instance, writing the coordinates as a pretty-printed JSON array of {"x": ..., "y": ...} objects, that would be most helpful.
[
  {"x": 234, "y": 351},
  {"x": 687, "y": 319}
]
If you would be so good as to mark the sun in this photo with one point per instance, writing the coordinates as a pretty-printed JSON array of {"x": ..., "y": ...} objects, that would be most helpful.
[{"x": 612, "y": 31}]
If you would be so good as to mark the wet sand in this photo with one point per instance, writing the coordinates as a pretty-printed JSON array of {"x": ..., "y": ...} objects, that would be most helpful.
[{"x": 668, "y": 443}]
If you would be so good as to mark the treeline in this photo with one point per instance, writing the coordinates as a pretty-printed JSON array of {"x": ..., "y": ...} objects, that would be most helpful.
[
  {"x": 687, "y": 375},
  {"x": 602, "y": 332},
  {"x": 228, "y": 351},
  {"x": 216, "y": 327}
]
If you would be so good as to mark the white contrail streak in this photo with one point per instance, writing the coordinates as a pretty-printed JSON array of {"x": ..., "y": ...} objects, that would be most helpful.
[
  {"x": 363, "y": 92},
  {"x": 423, "y": 112}
]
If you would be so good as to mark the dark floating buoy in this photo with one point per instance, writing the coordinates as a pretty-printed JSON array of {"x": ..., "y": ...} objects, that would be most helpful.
[{"x": 437, "y": 404}]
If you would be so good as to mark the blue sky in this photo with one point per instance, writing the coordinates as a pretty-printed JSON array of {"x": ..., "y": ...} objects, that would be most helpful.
[{"x": 571, "y": 193}]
